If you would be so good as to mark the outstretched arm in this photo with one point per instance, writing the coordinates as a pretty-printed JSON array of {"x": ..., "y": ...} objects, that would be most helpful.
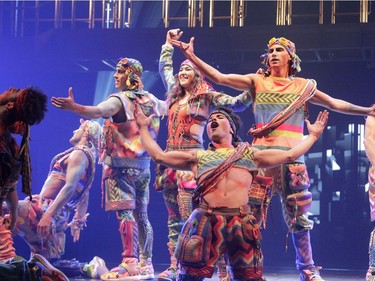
[
  {"x": 370, "y": 139},
  {"x": 105, "y": 109},
  {"x": 236, "y": 81},
  {"x": 76, "y": 167},
  {"x": 341, "y": 106},
  {"x": 180, "y": 160},
  {"x": 272, "y": 157}
]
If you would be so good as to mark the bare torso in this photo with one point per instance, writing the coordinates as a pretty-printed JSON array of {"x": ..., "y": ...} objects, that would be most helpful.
[{"x": 232, "y": 190}]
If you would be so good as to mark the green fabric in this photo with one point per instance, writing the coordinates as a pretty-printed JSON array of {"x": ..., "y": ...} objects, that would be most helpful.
[{"x": 16, "y": 270}]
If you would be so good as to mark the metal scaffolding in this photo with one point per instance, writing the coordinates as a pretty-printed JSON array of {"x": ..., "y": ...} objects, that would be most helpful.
[
  {"x": 23, "y": 18},
  {"x": 285, "y": 12}
]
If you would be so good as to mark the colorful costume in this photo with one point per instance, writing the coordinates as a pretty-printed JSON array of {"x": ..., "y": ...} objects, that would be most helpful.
[
  {"x": 182, "y": 115},
  {"x": 31, "y": 211},
  {"x": 371, "y": 180},
  {"x": 211, "y": 232},
  {"x": 272, "y": 96},
  {"x": 10, "y": 167},
  {"x": 126, "y": 178}
]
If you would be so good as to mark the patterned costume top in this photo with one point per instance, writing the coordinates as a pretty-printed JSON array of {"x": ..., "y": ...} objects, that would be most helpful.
[
  {"x": 121, "y": 141},
  {"x": 84, "y": 184},
  {"x": 194, "y": 111},
  {"x": 10, "y": 165},
  {"x": 272, "y": 96},
  {"x": 208, "y": 160}
]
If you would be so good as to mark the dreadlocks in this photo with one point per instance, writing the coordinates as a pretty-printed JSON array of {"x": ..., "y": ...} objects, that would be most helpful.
[{"x": 31, "y": 105}]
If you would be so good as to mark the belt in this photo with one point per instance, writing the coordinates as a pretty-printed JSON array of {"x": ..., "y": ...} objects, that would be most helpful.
[{"x": 224, "y": 211}]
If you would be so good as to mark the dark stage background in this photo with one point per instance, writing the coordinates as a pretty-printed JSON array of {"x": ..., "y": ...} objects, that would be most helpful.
[{"x": 339, "y": 56}]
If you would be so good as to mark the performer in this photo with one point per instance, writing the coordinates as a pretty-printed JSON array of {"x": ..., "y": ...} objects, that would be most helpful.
[
  {"x": 278, "y": 98},
  {"x": 222, "y": 221},
  {"x": 190, "y": 100},
  {"x": 370, "y": 152},
  {"x": 19, "y": 109},
  {"x": 44, "y": 219},
  {"x": 126, "y": 165}
]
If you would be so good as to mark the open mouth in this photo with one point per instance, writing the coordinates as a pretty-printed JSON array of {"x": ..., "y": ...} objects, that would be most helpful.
[{"x": 214, "y": 125}]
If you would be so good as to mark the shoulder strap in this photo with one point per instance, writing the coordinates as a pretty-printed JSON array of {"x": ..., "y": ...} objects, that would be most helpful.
[
  {"x": 216, "y": 175},
  {"x": 283, "y": 115}
]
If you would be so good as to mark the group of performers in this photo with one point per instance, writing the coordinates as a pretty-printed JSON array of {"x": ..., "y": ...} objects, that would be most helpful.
[{"x": 216, "y": 196}]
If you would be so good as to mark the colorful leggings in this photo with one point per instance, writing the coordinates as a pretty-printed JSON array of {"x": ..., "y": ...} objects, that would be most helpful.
[
  {"x": 371, "y": 194},
  {"x": 178, "y": 188},
  {"x": 371, "y": 191},
  {"x": 127, "y": 193},
  {"x": 299, "y": 225}
]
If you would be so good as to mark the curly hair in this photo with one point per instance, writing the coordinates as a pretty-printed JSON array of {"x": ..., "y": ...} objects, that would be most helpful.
[{"x": 31, "y": 105}]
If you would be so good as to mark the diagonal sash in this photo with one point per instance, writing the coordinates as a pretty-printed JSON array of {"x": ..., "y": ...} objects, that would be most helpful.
[
  {"x": 308, "y": 92},
  {"x": 211, "y": 180}
]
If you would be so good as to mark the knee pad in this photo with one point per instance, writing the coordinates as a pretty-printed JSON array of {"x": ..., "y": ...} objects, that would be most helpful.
[{"x": 298, "y": 203}]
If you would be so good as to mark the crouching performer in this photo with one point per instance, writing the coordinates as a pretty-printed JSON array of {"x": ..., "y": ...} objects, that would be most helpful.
[
  {"x": 44, "y": 219},
  {"x": 222, "y": 222}
]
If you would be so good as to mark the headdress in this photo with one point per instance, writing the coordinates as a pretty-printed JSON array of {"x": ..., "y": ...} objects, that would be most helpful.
[
  {"x": 290, "y": 47},
  {"x": 93, "y": 131},
  {"x": 133, "y": 69}
]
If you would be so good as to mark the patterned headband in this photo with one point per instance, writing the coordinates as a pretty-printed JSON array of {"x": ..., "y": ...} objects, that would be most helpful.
[
  {"x": 289, "y": 46},
  {"x": 230, "y": 119},
  {"x": 193, "y": 66},
  {"x": 134, "y": 70},
  {"x": 93, "y": 130}
]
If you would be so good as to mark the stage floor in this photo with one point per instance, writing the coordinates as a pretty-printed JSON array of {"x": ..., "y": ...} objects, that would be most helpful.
[{"x": 283, "y": 274}]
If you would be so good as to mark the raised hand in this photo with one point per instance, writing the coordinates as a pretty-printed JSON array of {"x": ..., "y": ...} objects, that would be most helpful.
[
  {"x": 320, "y": 123},
  {"x": 186, "y": 48},
  {"x": 64, "y": 103},
  {"x": 173, "y": 34}
]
